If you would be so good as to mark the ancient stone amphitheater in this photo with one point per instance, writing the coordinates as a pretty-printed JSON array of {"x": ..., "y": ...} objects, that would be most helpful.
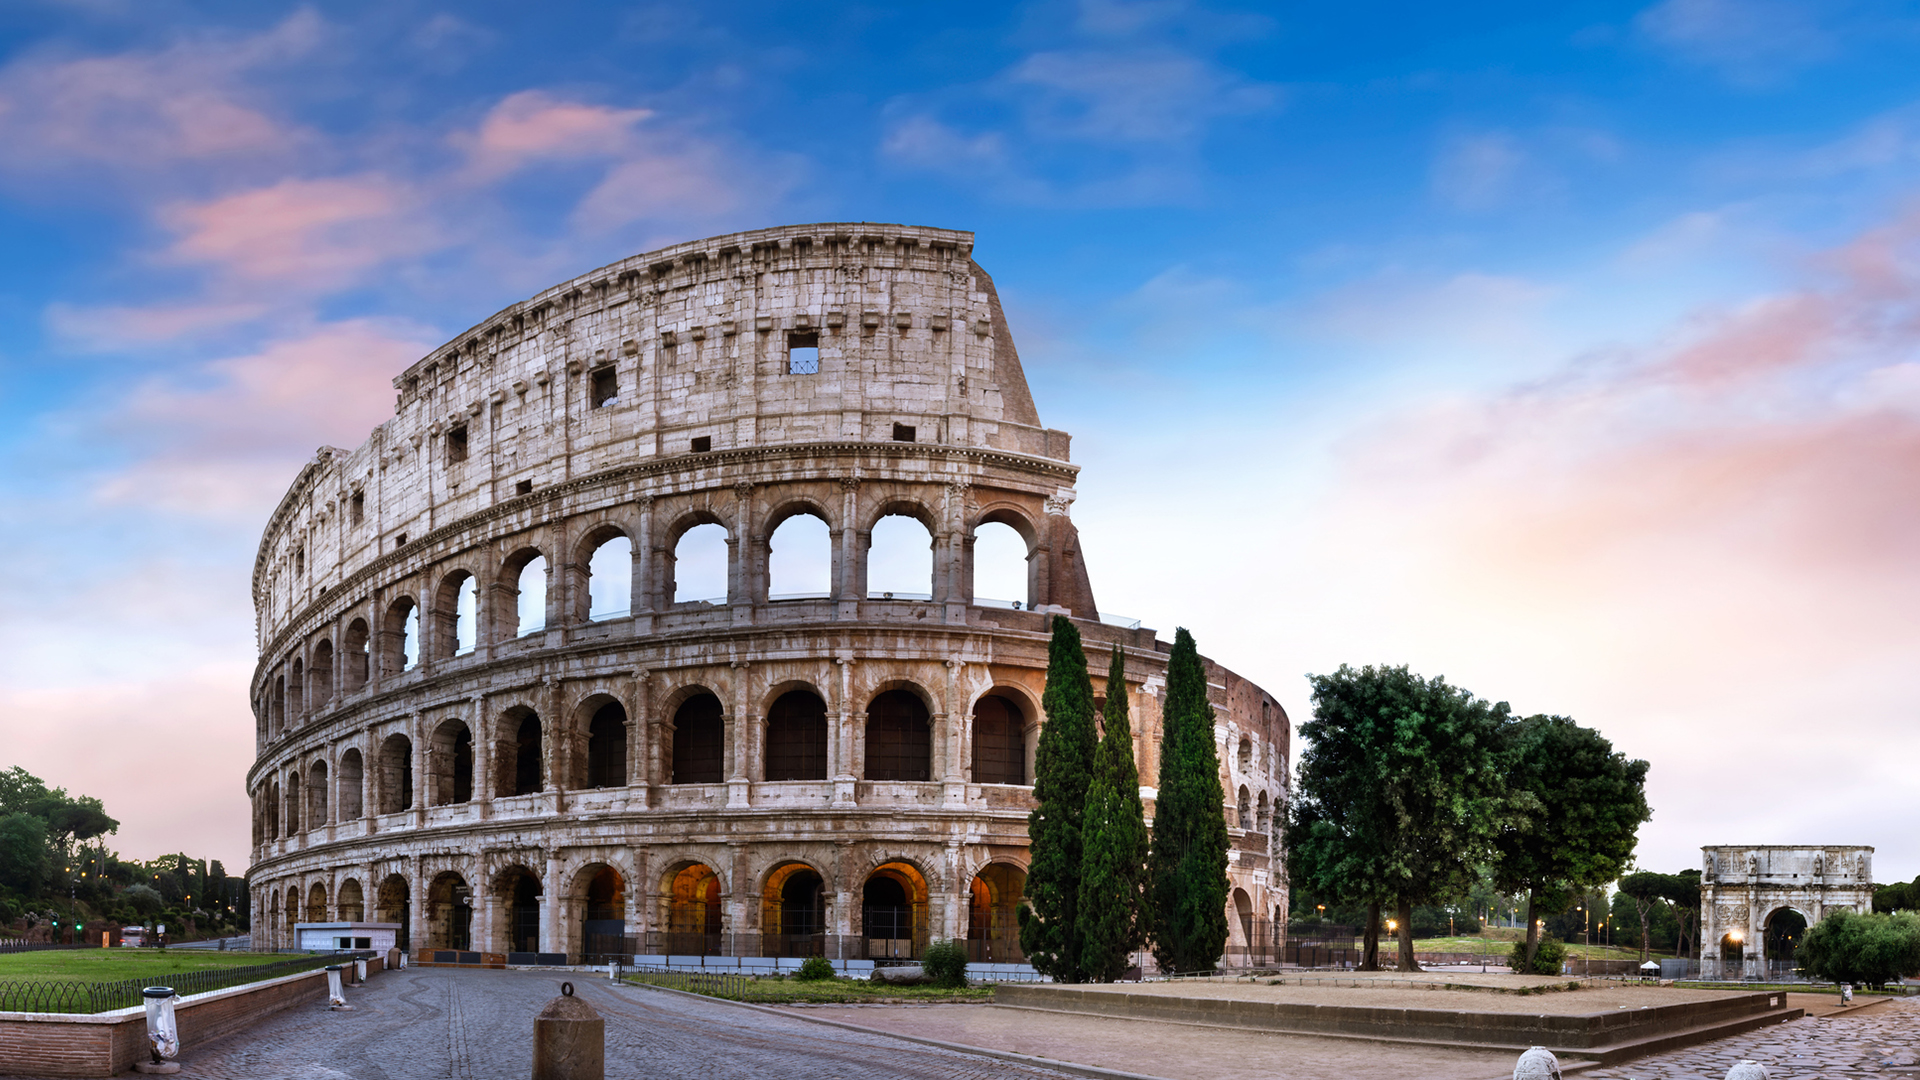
[{"x": 531, "y": 683}]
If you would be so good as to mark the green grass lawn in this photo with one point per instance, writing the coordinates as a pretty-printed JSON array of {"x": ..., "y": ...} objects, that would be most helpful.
[
  {"x": 778, "y": 989},
  {"x": 107, "y": 965},
  {"x": 1498, "y": 946}
]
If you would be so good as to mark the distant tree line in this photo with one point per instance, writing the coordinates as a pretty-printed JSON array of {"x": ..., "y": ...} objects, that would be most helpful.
[{"x": 55, "y": 870}]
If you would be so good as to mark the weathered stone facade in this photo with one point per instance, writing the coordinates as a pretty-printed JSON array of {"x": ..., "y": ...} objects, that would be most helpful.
[
  {"x": 1742, "y": 887},
  {"x": 736, "y": 774}
]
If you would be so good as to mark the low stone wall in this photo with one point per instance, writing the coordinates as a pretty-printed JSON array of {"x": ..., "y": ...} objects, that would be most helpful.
[
  {"x": 107, "y": 1044},
  {"x": 1592, "y": 1033}
]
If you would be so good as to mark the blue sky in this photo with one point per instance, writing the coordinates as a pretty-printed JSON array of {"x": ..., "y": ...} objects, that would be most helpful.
[{"x": 1570, "y": 353}]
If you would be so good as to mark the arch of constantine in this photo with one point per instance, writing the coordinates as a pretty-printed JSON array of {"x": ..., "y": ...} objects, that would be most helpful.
[
  {"x": 498, "y": 704},
  {"x": 1745, "y": 888}
]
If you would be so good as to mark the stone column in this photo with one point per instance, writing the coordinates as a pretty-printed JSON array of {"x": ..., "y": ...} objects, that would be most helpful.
[
  {"x": 640, "y": 736},
  {"x": 740, "y": 740},
  {"x": 645, "y": 560},
  {"x": 416, "y": 906},
  {"x": 552, "y": 933},
  {"x": 416, "y": 727},
  {"x": 848, "y": 583}
]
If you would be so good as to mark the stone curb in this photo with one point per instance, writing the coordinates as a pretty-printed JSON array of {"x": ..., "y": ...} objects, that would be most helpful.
[{"x": 1095, "y": 1072}]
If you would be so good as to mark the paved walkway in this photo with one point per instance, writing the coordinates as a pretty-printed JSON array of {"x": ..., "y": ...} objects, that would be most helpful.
[
  {"x": 448, "y": 1024},
  {"x": 1883, "y": 1041}
]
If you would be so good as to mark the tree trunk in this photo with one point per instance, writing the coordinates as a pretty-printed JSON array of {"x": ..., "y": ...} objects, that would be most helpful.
[
  {"x": 1407, "y": 962},
  {"x": 1533, "y": 930},
  {"x": 1370, "y": 946},
  {"x": 1646, "y": 945}
]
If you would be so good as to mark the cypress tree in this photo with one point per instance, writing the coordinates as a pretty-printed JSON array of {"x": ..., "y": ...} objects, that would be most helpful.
[
  {"x": 1187, "y": 865},
  {"x": 1114, "y": 868},
  {"x": 1062, "y": 771}
]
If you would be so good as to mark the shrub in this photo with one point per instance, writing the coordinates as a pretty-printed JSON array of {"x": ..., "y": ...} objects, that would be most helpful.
[
  {"x": 815, "y": 968},
  {"x": 1869, "y": 949},
  {"x": 946, "y": 963},
  {"x": 1546, "y": 959}
]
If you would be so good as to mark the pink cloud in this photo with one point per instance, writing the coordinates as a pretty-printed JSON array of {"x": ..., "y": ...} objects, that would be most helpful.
[
  {"x": 312, "y": 232},
  {"x": 119, "y": 327},
  {"x": 136, "y": 111},
  {"x": 533, "y": 125},
  {"x": 226, "y": 443}
]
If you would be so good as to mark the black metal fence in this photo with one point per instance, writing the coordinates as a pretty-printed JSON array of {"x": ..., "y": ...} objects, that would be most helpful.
[
  {"x": 715, "y": 984},
  {"x": 75, "y": 996},
  {"x": 600, "y": 948},
  {"x": 20, "y": 945}
]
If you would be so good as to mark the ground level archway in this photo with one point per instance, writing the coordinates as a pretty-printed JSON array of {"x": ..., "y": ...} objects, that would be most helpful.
[
  {"x": 893, "y": 912},
  {"x": 993, "y": 928},
  {"x": 449, "y": 913}
]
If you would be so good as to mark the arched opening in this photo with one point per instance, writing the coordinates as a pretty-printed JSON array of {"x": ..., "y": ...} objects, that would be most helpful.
[
  {"x": 277, "y": 705},
  {"x": 1732, "y": 947},
  {"x": 273, "y": 811},
  {"x": 1243, "y": 913},
  {"x": 293, "y": 915},
  {"x": 358, "y": 654},
  {"x": 699, "y": 741},
  {"x": 352, "y": 777},
  {"x": 401, "y": 637},
  {"x": 900, "y": 559},
  {"x": 698, "y": 569},
  {"x": 452, "y": 763},
  {"x": 899, "y": 737},
  {"x": 466, "y": 616},
  {"x": 993, "y": 930},
  {"x": 607, "y": 747},
  {"x": 797, "y": 737},
  {"x": 353, "y": 905},
  {"x": 392, "y": 905},
  {"x": 693, "y": 911},
  {"x": 519, "y": 753},
  {"x": 1246, "y": 809},
  {"x": 295, "y": 795},
  {"x": 530, "y": 594},
  {"x": 800, "y": 559},
  {"x": 317, "y": 903},
  {"x": 1246, "y": 756},
  {"x": 317, "y": 795},
  {"x": 396, "y": 774},
  {"x": 893, "y": 912},
  {"x": 449, "y": 913},
  {"x": 999, "y": 741},
  {"x": 793, "y": 912},
  {"x": 603, "y": 930},
  {"x": 321, "y": 678},
  {"x": 1263, "y": 817},
  {"x": 610, "y": 579},
  {"x": 296, "y": 698},
  {"x": 519, "y": 891},
  {"x": 1786, "y": 928},
  {"x": 1002, "y": 573}
]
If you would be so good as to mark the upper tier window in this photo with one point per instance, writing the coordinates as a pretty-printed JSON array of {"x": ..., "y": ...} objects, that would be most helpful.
[
  {"x": 803, "y": 352},
  {"x": 606, "y": 388}
]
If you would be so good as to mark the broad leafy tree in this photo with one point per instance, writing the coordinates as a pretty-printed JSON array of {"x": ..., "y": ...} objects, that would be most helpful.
[
  {"x": 1584, "y": 806},
  {"x": 1114, "y": 868},
  {"x": 1187, "y": 863},
  {"x": 1401, "y": 790},
  {"x": 1683, "y": 895},
  {"x": 1062, "y": 773}
]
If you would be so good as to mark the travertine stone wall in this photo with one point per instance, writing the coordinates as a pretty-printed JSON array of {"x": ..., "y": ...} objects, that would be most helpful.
[
  {"x": 385, "y": 788},
  {"x": 1743, "y": 886}
]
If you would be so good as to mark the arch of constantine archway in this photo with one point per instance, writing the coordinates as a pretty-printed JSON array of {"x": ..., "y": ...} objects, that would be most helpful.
[{"x": 1744, "y": 887}]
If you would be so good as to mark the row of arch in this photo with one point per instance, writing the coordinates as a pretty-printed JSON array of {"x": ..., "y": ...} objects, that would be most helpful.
[
  {"x": 895, "y": 744},
  {"x": 511, "y": 912},
  {"x": 799, "y": 560}
]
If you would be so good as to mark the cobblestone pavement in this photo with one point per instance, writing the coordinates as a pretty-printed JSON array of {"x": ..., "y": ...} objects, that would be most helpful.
[
  {"x": 448, "y": 1024},
  {"x": 1884, "y": 1041}
]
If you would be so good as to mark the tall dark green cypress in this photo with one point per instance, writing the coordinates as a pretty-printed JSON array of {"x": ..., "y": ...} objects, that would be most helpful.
[
  {"x": 1113, "y": 870},
  {"x": 1062, "y": 771},
  {"x": 1187, "y": 866}
]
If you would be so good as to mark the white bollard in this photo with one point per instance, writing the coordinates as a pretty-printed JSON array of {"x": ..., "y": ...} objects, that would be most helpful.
[
  {"x": 1537, "y": 1063},
  {"x": 163, "y": 1034},
  {"x": 1747, "y": 1070},
  {"x": 336, "y": 996},
  {"x": 360, "y": 971}
]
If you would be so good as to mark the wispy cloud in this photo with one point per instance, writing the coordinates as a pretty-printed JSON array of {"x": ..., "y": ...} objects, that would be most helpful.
[{"x": 1751, "y": 42}]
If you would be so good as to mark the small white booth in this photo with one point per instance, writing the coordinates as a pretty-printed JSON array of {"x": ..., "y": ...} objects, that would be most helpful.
[{"x": 345, "y": 936}]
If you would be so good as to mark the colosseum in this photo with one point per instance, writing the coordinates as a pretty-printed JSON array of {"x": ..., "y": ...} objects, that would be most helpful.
[{"x": 648, "y": 624}]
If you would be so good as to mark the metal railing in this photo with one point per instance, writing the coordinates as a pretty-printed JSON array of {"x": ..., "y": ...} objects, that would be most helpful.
[
  {"x": 20, "y": 945},
  {"x": 76, "y": 996},
  {"x": 711, "y": 983}
]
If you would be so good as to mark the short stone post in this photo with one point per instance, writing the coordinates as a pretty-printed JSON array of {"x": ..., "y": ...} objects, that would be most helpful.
[
  {"x": 360, "y": 970},
  {"x": 163, "y": 1035},
  {"x": 569, "y": 1040},
  {"x": 1538, "y": 1063},
  {"x": 1747, "y": 1070}
]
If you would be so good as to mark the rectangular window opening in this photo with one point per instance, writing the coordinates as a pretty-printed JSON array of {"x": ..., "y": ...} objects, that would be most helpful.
[
  {"x": 803, "y": 352},
  {"x": 358, "y": 507},
  {"x": 457, "y": 444},
  {"x": 400, "y": 540},
  {"x": 703, "y": 444},
  {"x": 606, "y": 388},
  {"x": 903, "y": 433},
  {"x": 524, "y": 487}
]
